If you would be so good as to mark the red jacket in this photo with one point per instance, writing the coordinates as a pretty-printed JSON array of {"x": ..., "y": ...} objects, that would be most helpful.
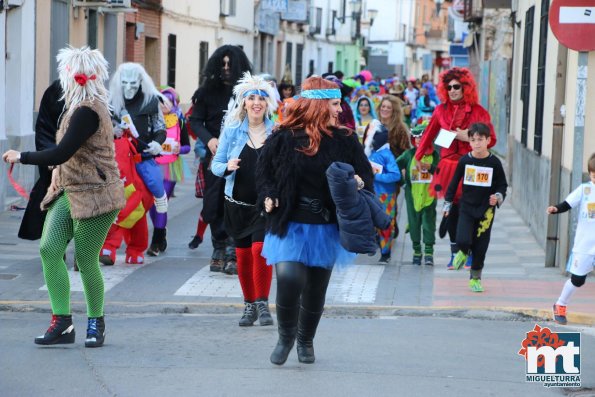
[{"x": 451, "y": 116}]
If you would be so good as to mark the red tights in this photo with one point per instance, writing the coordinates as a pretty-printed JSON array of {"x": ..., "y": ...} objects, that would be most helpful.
[{"x": 254, "y": 274}]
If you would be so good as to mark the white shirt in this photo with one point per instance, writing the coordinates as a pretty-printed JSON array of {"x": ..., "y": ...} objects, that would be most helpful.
[{"x": 584, "y": 196}]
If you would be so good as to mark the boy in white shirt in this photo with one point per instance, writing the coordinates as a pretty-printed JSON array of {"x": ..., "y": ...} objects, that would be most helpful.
[{"x": 583, "y": 251}]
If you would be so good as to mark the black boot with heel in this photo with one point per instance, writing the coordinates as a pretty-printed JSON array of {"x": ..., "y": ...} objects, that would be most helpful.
[
  {"x": 287, "y": 318},
  {"x": 307, "y": 324}
]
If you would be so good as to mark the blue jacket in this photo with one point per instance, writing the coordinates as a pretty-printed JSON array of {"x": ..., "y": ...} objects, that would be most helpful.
[
  {"x": 359, "y": 212},
  {"x": 231, "y": 143},
  {"x": 386, "y": 182}
]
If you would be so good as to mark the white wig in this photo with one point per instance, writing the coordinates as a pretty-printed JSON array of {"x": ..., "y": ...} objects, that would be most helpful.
[
  {"x": 82, "y": 74},
  {"x": 236, "y": 112},
  {"x": 146, "y": 84}
]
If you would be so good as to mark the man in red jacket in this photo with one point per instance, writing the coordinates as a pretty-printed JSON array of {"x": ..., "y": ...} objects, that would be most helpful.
[{"x": 459, "y": 109}]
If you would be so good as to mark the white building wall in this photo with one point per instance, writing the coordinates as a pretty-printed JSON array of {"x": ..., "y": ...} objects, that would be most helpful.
[
  {"x": 237, "y": 29},
  {"x": 17, "y": 92},
  {"x": 394, "y": 23},
  {"x": 193, "y": 21},
  {"x": 2, "y": 77},
  {"x": 20, "y": 69},
  {"x": 530, "y": 172}
]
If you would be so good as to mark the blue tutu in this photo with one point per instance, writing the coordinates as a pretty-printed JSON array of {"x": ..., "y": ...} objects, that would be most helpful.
[{"x": 310, "y": 244}]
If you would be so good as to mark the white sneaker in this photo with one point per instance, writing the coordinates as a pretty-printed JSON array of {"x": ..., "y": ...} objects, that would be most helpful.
[{"x": 161, "y": 204}]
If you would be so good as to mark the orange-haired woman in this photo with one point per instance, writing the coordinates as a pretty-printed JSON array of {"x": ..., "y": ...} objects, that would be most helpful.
[
  {"x": 302, "y": 236},
  {"x": 459, "y": 109}
]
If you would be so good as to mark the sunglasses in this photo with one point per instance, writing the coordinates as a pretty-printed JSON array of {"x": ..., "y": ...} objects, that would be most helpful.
[{"x": 455, "y": 87}]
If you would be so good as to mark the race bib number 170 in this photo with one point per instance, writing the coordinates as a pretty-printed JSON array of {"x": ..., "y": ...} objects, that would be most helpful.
[{"x": 478, "y": 176}]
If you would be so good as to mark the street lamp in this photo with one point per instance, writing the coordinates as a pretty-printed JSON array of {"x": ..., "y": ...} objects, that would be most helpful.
[
  {"x": 356, "y": 14},
  {"x": 438, "y": 6},
  {"x": 372, "y": 14},
  {"x": 356, "y": 17},
  {"x": 356, "y": 6}
]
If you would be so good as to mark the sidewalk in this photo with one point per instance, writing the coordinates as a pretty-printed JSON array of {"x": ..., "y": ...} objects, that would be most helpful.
[{"x": 514, "y": 278}]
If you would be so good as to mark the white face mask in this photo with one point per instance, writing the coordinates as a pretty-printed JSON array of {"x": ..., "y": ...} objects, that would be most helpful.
[{"x": 130, "y": 80}]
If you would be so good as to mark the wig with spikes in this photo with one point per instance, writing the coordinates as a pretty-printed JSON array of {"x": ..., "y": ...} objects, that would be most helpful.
[
  {"x": 146, "y": 85},
  {"x": 236, "y": 113},
  {"x": 464, "y": 76},
  {"x": 82, "y": 72}
]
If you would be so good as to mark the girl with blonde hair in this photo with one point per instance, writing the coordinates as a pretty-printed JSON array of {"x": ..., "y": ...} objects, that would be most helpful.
[{"x": 246, "y": 126}]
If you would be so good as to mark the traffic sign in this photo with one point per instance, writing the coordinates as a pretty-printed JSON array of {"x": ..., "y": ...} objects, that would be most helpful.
[{"x": 573, "y": 23}]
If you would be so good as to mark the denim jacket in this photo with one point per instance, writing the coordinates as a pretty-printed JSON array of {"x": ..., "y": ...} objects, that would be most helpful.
[{"x": 231, "y": 144}]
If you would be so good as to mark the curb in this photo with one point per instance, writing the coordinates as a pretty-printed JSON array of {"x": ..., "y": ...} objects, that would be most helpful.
[{"x": 217, "y": 308}]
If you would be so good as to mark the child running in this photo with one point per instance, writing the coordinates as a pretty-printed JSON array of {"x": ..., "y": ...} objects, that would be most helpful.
[
  {"x": 386, "y": 176},
  {"x": 484, "y": 187},
  {"x": 421, "y": 204},
  {"x": 582, "y": 259}
]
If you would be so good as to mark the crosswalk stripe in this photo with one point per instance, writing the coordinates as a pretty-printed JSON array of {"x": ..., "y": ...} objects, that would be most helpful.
[
  {"x": 112, "y": 276},
  {"x": 207, "y": 283},
  {"x": 356, "y": 284}
]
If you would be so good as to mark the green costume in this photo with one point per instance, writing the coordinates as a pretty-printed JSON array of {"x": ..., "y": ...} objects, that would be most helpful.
[
  {"x": 88, "y": 235},
  {"x": 421, "y": 205}
]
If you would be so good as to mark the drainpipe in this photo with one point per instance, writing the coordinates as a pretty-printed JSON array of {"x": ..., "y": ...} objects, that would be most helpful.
[{"x": 556, "y": 160}]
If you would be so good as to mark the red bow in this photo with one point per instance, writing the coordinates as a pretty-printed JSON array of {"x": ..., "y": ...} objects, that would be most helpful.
[{"x": 82, "y": 78}]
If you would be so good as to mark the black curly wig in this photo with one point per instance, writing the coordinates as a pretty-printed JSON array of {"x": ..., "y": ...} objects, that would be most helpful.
[{"x": 239, "y": 64}]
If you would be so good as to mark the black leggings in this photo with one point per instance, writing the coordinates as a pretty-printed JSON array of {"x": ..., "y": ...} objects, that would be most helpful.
[
  {"x": 297, "y": 283},
  {"x": 453, "y": 220},
  {"x": 467, "y": 238}
]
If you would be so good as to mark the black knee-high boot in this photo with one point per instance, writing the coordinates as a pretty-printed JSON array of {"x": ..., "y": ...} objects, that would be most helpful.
[
  {"x": 291, "y": 278},
  {"x": 287, "y": 318},
  {"x": 307, "y": 324}
]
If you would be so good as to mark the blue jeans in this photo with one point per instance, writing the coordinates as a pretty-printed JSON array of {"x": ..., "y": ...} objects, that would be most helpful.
[{"x": 151, "y": 175}]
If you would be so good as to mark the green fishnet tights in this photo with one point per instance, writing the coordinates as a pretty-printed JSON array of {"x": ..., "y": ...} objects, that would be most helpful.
[{"x": 89, "y": 235}]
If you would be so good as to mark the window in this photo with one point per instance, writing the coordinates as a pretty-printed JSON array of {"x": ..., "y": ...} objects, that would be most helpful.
[
  {"x": 92, "y": 28},
  {"x": 171, "y": 60},
  {"x": 526, "y": 75},
  {"x": 203, "y": 56},
  {"x": 543, "y": 27},
  {"x": 299, "y": 56},
  {"x": 227, "y": 8},
  {"x": 315, "y": 20},
  {"x": 58, "y": 33},
  {"x": 288, "y": 54}
]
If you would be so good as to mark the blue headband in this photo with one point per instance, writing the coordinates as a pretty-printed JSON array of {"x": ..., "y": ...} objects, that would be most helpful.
[
  {"x": 328, "y": 93},
  {"x": 255, "y": 92}
]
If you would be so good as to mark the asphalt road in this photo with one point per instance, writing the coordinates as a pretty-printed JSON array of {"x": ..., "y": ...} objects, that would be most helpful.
[{"x": 209, "y": 355}]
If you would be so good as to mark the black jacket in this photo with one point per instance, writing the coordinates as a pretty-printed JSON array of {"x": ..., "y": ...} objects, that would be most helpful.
[
  {"x": 48, "y": 121},
  {"x": 359, "y": 212},
  {"x": 208, "y": 109},
  {"x": 285, "y": 173}
]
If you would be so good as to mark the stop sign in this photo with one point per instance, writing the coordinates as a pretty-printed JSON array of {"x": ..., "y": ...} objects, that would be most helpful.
[{"x": 573, "y": 23}]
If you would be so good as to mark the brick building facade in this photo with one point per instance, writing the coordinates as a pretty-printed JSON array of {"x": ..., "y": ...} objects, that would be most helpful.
[{"x": 143, "y": 37}]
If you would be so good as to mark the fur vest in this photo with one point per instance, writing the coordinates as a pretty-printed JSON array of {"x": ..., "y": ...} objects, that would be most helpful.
[{"x": 90, "y": 177}]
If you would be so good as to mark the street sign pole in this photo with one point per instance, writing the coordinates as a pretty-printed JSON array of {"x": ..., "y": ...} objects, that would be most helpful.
[{"x": 579, "y": 131}]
